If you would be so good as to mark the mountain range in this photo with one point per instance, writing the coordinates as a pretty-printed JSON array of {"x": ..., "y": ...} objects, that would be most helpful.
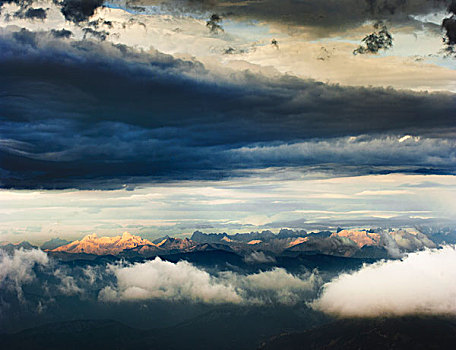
[
  {"x": 365, "y": 243},
  {"x": 344, "y": 243}
]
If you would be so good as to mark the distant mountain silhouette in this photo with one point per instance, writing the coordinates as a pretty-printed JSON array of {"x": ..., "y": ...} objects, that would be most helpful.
[
  {"x": 10, "y": 247},
  {"x": 54, "y": 243}
]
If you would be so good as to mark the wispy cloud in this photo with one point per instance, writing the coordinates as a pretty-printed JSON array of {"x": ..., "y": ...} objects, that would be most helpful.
[{"x": 17, "y": 269}]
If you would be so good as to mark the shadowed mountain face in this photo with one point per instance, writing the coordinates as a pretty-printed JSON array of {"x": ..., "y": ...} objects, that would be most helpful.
[
  {"x": 383, "y": 333},
  {"x": 54, "y": 243},
  {"x": 10, "y": 248}
]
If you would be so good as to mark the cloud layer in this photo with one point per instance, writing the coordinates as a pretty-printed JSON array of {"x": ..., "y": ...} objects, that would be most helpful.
[
  {"x": 324, "y": 16},
  {"x": 148, "y": 281},
  {"x": 421, "y": 283},
  {"x": 97, "y": 115}
]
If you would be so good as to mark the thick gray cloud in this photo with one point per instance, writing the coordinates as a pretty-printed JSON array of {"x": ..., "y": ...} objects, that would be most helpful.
[
  {"x": 79, "y": 10},
  {"x": 32, "y": 13},
  {"x": 97, "y": 115},
  {"x": 449, "y": 26}
]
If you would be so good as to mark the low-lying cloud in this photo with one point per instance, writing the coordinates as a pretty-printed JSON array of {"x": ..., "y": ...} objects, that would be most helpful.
[
  {"x": 17, "y": 269},
  {"x": 158, "y": 279},
  {"x": 279, "y": 286},
  {"x": 421, "y": 283},
  {"x": 147, "y": 281}
]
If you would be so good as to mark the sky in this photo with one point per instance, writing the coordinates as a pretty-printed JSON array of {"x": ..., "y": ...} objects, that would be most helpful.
[{"x": 148, "y": 117}]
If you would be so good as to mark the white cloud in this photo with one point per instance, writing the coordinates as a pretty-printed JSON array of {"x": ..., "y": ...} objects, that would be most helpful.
[
  {"x": 158, "y": 279},
  {"x": 279, "y": 286},
  {"x": 16, "y": 269},
  {"x": 411, "y": 241},
  {"x": 423, "y": 282},
  {"x": 279, "y": 279}
]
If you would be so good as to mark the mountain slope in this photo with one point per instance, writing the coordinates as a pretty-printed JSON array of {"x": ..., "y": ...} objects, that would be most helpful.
[{"x": 382, "y": 333}]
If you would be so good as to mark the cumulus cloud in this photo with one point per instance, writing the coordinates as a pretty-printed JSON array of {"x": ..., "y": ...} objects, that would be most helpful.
[
  {"x": 17, "y": 268},
  {"x": 279, "y": 286},
  {"x": 411, "y": 241},
  {"x": 158, "y": 279},
  {"x": 421, "y": 283}
]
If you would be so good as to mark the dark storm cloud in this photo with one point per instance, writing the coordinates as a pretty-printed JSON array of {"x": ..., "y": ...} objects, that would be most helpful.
[
  {"x": 97, "y": 34},
  {"x": 21, "y": 3},
  {"x": 32, "y": 13},
  {"x": 449, "y": 27},
  {"x": 324, "y": 15},
  {"x": 214, "y": 24},
  {"x": 79, "y": 10},
  {"x": 97, "y": 115},
  {"x": 62, "y": 33},
  {"x": 378, "y": 40}
]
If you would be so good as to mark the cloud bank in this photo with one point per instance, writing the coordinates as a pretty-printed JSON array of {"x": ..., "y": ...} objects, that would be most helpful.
[
  {"x": 421, "y": 283},
  {"x": 91, "y": 115},
  {"x": 321, "y": 17},
  {"x": 158, "y": 279}
]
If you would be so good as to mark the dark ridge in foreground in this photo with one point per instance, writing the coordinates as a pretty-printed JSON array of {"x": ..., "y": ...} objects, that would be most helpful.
[
  {"x": 223, "y": 328},
  {"x": 209, "y": 332},
  {"x": 381, "y": 333},
  {"x": 81, "y": 334}
]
